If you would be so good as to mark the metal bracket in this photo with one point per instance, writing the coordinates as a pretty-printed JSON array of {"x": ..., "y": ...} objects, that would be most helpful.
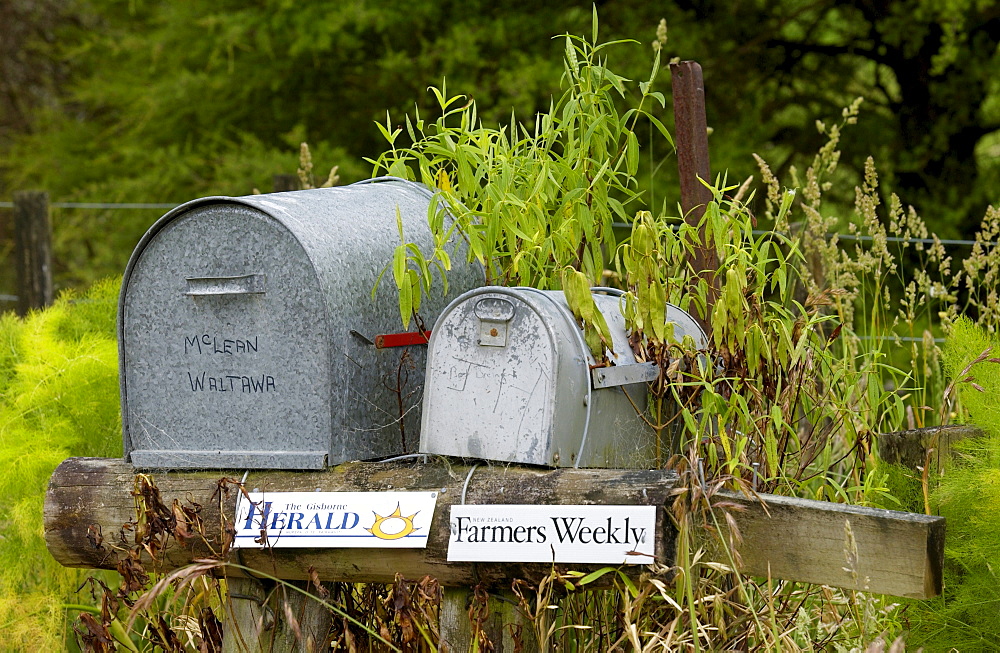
[
  {"x": 494, "y": 313},
  {"x": 616, "y": 375},
  {"x": 402, "y": 339}
]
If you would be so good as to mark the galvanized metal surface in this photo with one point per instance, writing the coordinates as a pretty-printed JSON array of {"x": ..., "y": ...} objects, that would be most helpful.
[
  {"x": 246, "y": 328},
  {"x": 525, "y": 395}
]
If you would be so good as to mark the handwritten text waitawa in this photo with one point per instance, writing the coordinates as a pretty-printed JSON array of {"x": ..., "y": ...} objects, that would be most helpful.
[{"x": 231, "y": 383}]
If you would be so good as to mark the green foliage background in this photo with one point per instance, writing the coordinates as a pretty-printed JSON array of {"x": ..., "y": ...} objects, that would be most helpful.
[
  {"x": 108, "y": 100},
  {"x": 115, "y": 100},
  {"x": 58, "y": 398}
]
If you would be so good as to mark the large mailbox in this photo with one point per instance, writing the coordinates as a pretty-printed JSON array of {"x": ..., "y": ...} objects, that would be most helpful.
[
  {"x": 510, "y": 378},
  {"x": 246, "y": 330}
]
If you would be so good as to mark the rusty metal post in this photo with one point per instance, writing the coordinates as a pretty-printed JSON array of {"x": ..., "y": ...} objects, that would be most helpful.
[
  {"x": 691, "y": 134},
  {"x": 33, "y": 237}
]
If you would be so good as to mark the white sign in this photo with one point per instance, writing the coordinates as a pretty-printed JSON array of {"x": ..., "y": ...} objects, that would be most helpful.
[
  {"x": 334, "y": 519},
  {"x": 594, "y": 534}
]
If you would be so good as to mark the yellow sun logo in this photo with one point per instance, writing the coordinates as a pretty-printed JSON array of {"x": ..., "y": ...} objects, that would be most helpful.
[{"x": 378, "y": 529}]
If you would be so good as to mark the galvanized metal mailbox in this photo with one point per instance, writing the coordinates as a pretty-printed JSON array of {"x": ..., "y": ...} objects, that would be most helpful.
[
  {"x": 247, "y": 330},
  {"x": 510, "y": 378}
]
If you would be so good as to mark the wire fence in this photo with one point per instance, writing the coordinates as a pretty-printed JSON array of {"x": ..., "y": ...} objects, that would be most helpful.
[
  {"x": 101, "y": 205},
  {"x": 866, "y": 239},
  {"x": 618, "y": 225},
  {"x": 950, "y": 242}
]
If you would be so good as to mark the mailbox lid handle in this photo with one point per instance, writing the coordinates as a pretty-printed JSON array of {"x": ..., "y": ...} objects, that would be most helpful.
[
  {"x": 247, "y": 284},
  {"x": 494, "y": 309}
]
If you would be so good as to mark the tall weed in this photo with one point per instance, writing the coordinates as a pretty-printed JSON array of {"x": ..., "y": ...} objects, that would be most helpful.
[{"x": 789, "y": 393}]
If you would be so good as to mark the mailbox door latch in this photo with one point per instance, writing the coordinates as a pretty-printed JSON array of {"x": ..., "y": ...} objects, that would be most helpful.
[{"x": 494, "y": 314}]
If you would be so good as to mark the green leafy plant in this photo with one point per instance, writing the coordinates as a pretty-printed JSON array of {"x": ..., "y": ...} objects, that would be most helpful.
[{"x": 531, "y": 201}]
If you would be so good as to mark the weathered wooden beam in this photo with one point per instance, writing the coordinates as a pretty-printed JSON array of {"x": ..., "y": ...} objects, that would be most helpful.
[
  {"x": 880, "y": 551},
  {"x": 87, "y": 495},
  {"x": 910, "y": 448},
  {"x": 33, "y": 236},
  {"x": 866, "y": 549}
]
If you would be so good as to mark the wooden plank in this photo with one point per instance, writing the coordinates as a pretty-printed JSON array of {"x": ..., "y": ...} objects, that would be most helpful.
[
  {"x": 880, "y": 551},
  {"x": 33, "y": 236},
  {"x": 867, "y": 549},
  {"x": 910, "y": 448},
  {"x": 89, "y": 495}
]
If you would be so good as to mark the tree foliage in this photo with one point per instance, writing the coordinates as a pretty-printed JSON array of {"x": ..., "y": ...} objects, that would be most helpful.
[
  {"x": 171, "y": 101},
  {"x": 926, "y": 68},
  {"x": 164, "y": 102}
]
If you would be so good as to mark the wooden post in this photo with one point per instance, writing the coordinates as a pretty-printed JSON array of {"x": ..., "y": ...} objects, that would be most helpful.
[
  {"x": 454, "y": 624},
  {"x": 262, "y": 620},
  {"x": 502, "y": 613},
  {"x": 302, "y": 624},
  {"x": 33, "y": 244},
  {"x": 285, "y": 183},
  {"x": 249, "y": 619},
  {"x": 912, "y": 448},
  {"x": 691, "y": 134}
]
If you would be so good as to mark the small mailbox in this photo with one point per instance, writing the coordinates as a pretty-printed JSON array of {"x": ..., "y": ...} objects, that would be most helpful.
[
  {"x": 510, "y": 378},
  {"x": 247, "y": 330}
]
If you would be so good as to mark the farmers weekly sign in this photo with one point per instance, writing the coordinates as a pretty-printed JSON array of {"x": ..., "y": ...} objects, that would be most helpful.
[
  {"x": 511, "y": 533},
  {"x": 334, "y": 519}
]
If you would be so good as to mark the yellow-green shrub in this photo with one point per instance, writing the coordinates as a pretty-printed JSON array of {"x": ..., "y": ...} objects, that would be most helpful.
[{"x": 58, "y": 399}]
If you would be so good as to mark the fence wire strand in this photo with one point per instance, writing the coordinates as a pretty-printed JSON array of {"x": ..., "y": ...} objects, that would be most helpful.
[
  {"x": 101, "y": 205},
  {"x": 617, "y": 225}
]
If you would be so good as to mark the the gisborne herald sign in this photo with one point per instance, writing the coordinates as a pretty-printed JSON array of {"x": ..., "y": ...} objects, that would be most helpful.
[{"x": 334, "y": 519}]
